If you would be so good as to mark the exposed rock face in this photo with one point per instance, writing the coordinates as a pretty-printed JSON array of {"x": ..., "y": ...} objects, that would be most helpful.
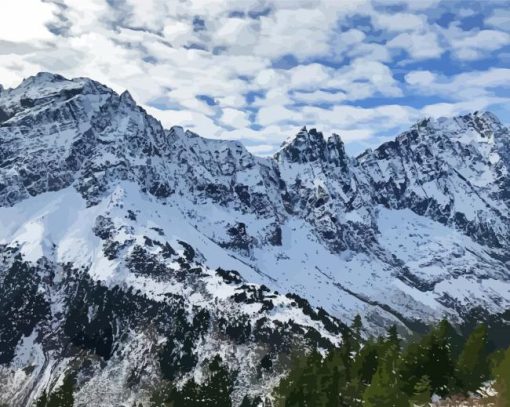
[{"x": 146, "y": 251}]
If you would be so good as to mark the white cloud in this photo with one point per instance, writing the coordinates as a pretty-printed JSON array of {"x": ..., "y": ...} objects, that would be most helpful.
[
  {"x": 462, "y": 87},
  {"x": 276, "y": 114},
  {"x": 420, "y": 78},
  {"x": 499, "y": 18},
  {"x": 470, "y": 46},
  {"x": 262, "y": 149},
  {"x": 454, "y": 109},
  {"x": 417, "y": 45},
  {"x": 294, "y": 32},
  {"x": 26, "y": 20},
  {"x": 239, "y": 34},
  {"x": 399, "y": 22},
  {"x": 319, "y": 96},
  {"x": 235, "y": 118},
  {"x": 154, "y": 49},
  {"x": 309, "y": 76}
]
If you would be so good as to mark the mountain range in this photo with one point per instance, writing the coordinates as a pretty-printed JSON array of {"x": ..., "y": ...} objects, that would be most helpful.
[{"x": 132, "y": 253}]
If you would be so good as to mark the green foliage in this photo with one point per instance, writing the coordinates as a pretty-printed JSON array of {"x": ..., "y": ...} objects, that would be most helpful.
[
  {"x": 214, "y": 392},
  {"x": 386, "y": 372},
  {"x": 393, "y": 338},
  {"x": 249, "y": 402},
  {"x": 62, "y": 397},
  {"x": 356, "y": 327},
  {"x": 502, "y": 376},
  {"x": 473, "y": 364},
  {"x": 217, "y": 390},
  {"x": 385, "y": 389},
  {"x": 422, "y": 392},
  {"x": 432, "y": 357},
  {"x": 302, "y": 387},
  {"x": 42, "y": 401},
  {"x": 366, "y": 362}
]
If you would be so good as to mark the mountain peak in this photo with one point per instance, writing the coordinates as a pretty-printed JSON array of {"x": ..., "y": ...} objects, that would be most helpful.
[
  {"x": 311, "y": 145},
  {"x": 42, "y": 78},
  {"x": 479, "y": 120},
  {"x": 306, "y": 145},
  {"x": 127, "y": 98}
]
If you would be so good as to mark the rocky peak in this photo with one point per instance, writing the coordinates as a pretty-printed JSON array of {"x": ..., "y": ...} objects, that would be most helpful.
[
  {"x": 44, "y": 77},
  {"x": 46, "y": 89},
  {"x": 127, "y": 98},
  {"x": 310, "y": 145},
  {"x": 481, "y": 124}
]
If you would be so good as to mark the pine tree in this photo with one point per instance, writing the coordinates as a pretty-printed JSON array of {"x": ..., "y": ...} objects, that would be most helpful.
[
  {"x": 502, "y": 375},
  {"x": 422, "y": 392},
  {"x": 472, "y": 366},
  {"x": 216, "y": 392},
  {"x": 334, "y": 381},
  {"x": 308, "y": 383},
  {"x": 392, "y": 337},
  {"x": 62, "y": 397},
  {"x": 289, "y": 388},
  {"x": 190, "y": 395},
  {"x": 249, "y": 402},
  {"x": 356, "y": 327},
  {"x": 440, "y": 366},
  {"x": 432, "y": 357},
  {"x": 366, "y": 361},
  {"x": 384, "y": 391},
  {"x": 42, "y": 401}
]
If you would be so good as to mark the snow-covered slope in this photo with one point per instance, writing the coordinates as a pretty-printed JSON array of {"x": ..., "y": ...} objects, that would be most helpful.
[{"x": 147, "y": 248}]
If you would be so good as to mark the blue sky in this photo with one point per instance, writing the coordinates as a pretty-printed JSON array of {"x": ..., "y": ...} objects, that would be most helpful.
[{"x": 258, "y": 70}]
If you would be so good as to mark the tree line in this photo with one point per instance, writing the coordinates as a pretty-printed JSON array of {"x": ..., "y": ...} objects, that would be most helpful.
[
  {"x": 382, "y": 372},
  {"x": 378, "y": 372}
]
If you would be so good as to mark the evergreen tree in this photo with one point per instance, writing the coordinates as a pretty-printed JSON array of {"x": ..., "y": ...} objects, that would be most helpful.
[
  {"x": 440, "y": 364},
  {"x": 334, "y": 381},
  {"x": 422, "y": 392},
  {"x": 249, "y": 402},
  {"x": 288, "y": 386},
  {"x": 190, "y": 395},
  {"x": 347, "y": 350},
  {"x": 473, "y": 364},
  {"x": 306, "y": 385},
  {"x": 432, "y": 357},
  {"x": 384, "y": 391},
  {"x": 502, "y": 376},
  {"x": 366, "y": 361},
  {"x": 356, "y": 327},
  {"x": 216, "y": 392},
  {"x": 42, "y": 401},
  {"x": 62, "y": 397},
  {"x": 392, "y": 337}
]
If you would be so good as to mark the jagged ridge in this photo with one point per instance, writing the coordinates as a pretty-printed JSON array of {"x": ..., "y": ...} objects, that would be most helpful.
[{"x": 407, "y": 233}]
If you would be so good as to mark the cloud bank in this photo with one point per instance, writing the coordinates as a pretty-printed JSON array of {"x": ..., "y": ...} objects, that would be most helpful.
[{"x": 257, "y": 70}]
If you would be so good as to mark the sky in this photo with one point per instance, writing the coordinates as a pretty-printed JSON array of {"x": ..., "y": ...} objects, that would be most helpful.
[{"x": 259, "y": 70}]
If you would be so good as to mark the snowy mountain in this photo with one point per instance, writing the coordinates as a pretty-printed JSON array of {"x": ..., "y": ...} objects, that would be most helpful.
[{"x": 132, "y": 253}]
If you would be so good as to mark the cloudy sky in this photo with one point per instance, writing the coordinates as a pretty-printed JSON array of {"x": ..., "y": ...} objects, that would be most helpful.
[{"x": 257, "y": 70}]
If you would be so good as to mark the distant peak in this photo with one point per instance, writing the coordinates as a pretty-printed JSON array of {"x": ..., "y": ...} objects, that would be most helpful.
[
  {"x": 303, "y": 136},
  {"x": 476, "y": 119},
  {"x": 310, "y": 145},
  {"x": 44, "y": 77},
  {"x": 483, "y": 115},
  {"x": 127, "y": 98}
]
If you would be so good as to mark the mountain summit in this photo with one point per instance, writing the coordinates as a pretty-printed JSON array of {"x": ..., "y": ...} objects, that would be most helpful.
[{"x": 142, "y": 252}]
